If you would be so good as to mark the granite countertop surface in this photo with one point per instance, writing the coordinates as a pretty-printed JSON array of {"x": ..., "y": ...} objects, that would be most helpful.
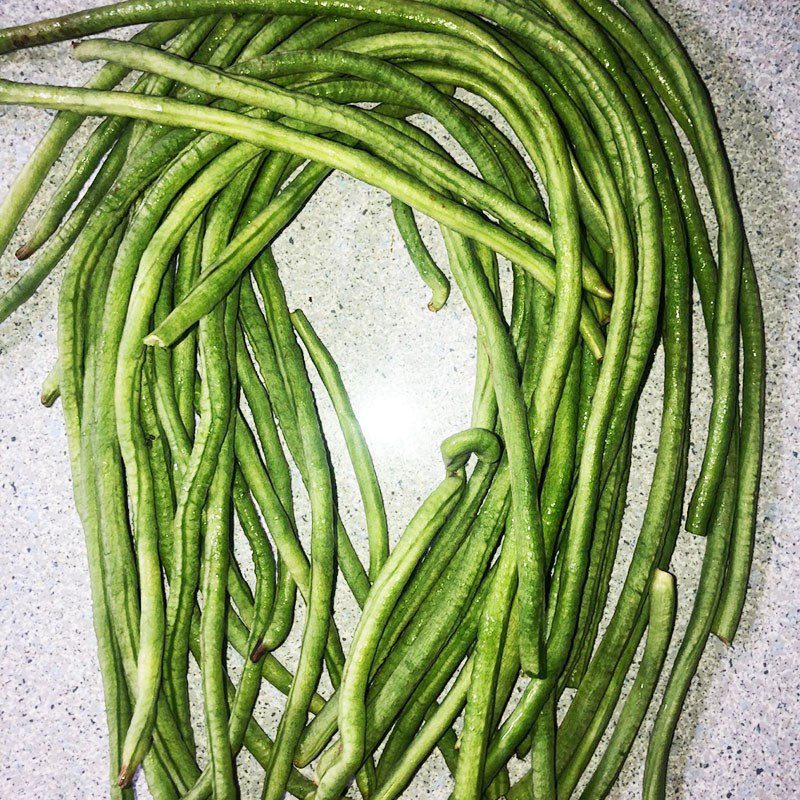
[{"x": 409, "y": 373}]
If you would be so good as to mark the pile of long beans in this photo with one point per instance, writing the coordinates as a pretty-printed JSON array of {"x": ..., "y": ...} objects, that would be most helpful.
[{"x": 184, "y": 380}]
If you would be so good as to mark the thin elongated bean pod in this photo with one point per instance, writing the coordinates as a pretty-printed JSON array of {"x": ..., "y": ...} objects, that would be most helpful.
[
  {"x": 124, "y": 14},
  {"x": 233, "y": 89},
  {"x": 287, "y": 349},
  {"x": 377, "y": 529},
  {"x": 422, "y": 704},
  {"x": 424, "y": 639},
  {"x": 522, "y": 470},
  {"x": 558, "y": 477},
  {"x": 430, "y": 734},
  {"x": 27, "y": 284},
  {"x": 102, "y": 139},
  {"x": 425, "y": 524},
  {"x": 276, "y": 31},
  {"x": 430, "y": 273},
  {"x": 696, "y": 635},
  {"x": 115, "y": 689},
  {"x": 541, "y": 782},
  {"x": 217, "y": 342},
  {"x": 469, "y": 779},
  {"x": 61, "y": 131},
  {"x": 602, "y": 560},
  {"x": 729, "y": 610},
  {"x": 541, "y": 133},
  {"x": 660, "y": 620},
  {"x": 321, "y": 584},
  {"x": 352, "y": 706},
  {"x": 213, "y": 625},
  {"x": 663, "y": 602},
  {"x": 266, "y": 134}
]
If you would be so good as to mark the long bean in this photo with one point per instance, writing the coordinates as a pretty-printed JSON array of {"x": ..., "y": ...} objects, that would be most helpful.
[{"x": 539, "y": 133}]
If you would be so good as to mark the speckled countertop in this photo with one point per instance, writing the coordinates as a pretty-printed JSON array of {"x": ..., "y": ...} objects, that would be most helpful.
[{"x": 409, "y": 375}]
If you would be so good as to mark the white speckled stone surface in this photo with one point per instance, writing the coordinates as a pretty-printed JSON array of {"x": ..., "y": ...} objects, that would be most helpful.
[{"x": 345, "y": 267}]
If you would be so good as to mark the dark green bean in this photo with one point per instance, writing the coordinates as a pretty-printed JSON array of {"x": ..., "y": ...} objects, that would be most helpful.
[
  {"x": 231, "y": 129},
  {"x": 377, "y": 528}
]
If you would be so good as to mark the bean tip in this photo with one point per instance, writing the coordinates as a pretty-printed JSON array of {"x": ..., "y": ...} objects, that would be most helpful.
[
  {"x": 258, "y": 652},
  {"x": 125, "y": 777},
  {"x": 24, "y": 252},
  {"x": 154, "y": 340},
  {"x": 695, "y": 528}
]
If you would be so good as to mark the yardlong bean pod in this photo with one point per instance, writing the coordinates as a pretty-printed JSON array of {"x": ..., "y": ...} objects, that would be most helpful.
[{"x": 539, "y": 132}]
